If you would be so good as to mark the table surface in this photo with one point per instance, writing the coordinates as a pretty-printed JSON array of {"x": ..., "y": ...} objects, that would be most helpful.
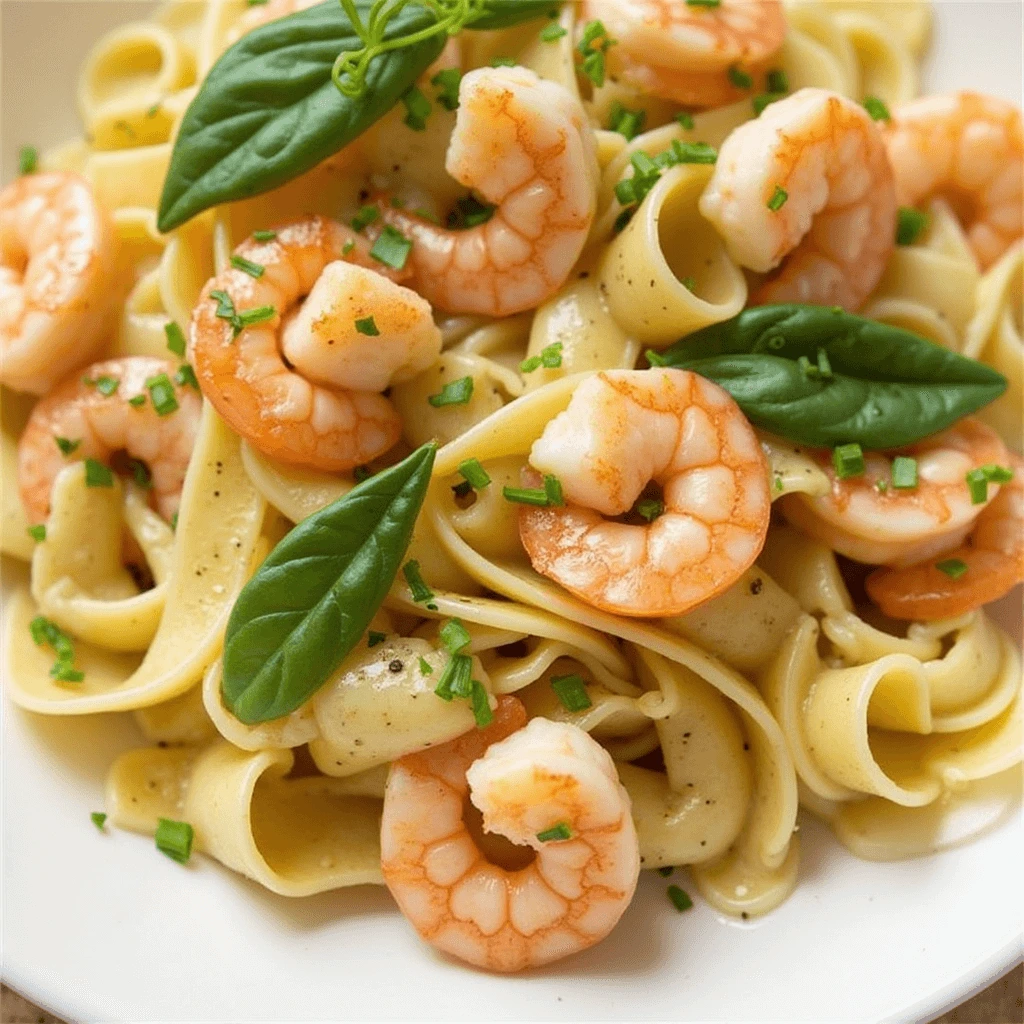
[{"x": 1000, "y": 1003}]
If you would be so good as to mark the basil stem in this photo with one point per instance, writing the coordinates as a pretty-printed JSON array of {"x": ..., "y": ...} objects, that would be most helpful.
[
  {"x": 314, "y": 596},
  {"x": 886, "y": 387}
]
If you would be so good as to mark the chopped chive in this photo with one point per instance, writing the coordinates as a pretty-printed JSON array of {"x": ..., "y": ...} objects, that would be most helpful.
[
  {"x": 425, "y": 668},
  {"x": 397, "y": 204},
  {"x": 417, "y": 109},
  {"x": 765, "y": 99},
  {"x": 225, "y": 305},
  {"x": 977, "y": 484},
  {"x": 256, "y": 270},
  {"x": 256, "y": 3},
  {"x": 526, "y": 496},
  {"x": 447, "y": 83},
  {"x": 594, "y": 58},
  {"x": 649, "y": 509},
  {"x": 557, "y": 833},
  {"x": 552, "y": 33},
  {"x": 703, "y": 3},
  {"x": 571, "y": 692},
  {"x": 174, "y": 521},
  {"x": 474, "y": 474},
  {"x": 361, "y": 473},
  {"x": 909, "y": 225},
  {"x": 778, "y": 81},
  {"x": 848, "y": 460},
  {"x": 184, "y": 376},
  {"x": 140, "y": 473},
  {"x": 175, "y": 338},
  {"x": 693, "y": 152},
  {"x": 740, "y": 78},
  {"x": 623, "y": 219},
  {"x": 689, "y": 283},
  {"x": 881, "y": 486},
  {"x": 174, "y": 838},
  {"x": 997, "y": 474},
  {"x": 264, "y": 236},
  {"x": 259, "y": 315},
  {"x": 952, "y": 567},
  {"x": 654, "y": 358},
  {"x": 66, "y": 445},
  {"x": 106, "y": 385},
  {"x": 161, "y": 394},
  {"x": 456, "y": 678},
  {"x": 680, "y": 900},
  {"x": 99, "y": 819},
  {"x": 551, "y": 356},
  {"x": 778, "y": 199},
  {"x": 37, "y": 532},
  {"x": 373, "y": 638},
  {"x": 553, "y": 490},
  {"x": 625, "y": 192},
  {"x": 469, "y": 212},
  {"x": 366, "y": 215},
  {"x": 391, "y": 248},
  {"x": 97, "y": 475},
  {"x": 46, "y": 632},
  {"x": 685, "y": 120},
  {"x": 153, "y": 110},
  {"x": 904, "y": 473},
  {"x": 481, "y": 705},
  {"x": 877, "y": 109},
  {"x": 628, "y": 123},
  {"x": 503, "y": 62},
  {"x": 666, "y": 872},
  {"x": 367, "y": 326},
  {"x": 421, "y": 593},
  {"x": 347, "y": 247},
  {"x": 28, "y": 159},
  {"x": 455, "y": 392},
  {"x": 454, "y": 636},
  {"x": 63, "y": 672}
]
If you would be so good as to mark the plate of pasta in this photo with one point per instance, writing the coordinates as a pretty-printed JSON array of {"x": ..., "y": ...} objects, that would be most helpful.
[{"x": 518, "y": 508}]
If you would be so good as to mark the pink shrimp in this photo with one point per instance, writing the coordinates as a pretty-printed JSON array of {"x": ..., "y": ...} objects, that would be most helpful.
[
  {"x": 357, "y": 332},
  {"x": 808, "y": 183},
  {"x": 990, "y": 564},
  {"x": 549, "y": 788},
  {"x": 94, "y": 417},
  {"x": 968, "y": 149},
  {"x": 524, "y": 144},
  {"x": 690, "y": 53},
  {"x": 623, "y": 430},
  {"x": 56, "y": 274}
]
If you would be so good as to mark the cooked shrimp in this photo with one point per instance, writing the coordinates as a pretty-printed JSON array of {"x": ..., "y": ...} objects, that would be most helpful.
[
  {"x": 869, "y": 520},
  {"x": 993, "y": 560},
  {"x": 622, "y": 430},
  {"x": 525, "y": 781},
  {"x": 56, "y": 276},
  {"x": 822, "y": 157},
  {"x": 968, "y": 149},
  {"x": 95, "y": 425},
  {"x": 287, "y": 413},
  {"x": 524, "y": 144},
  {"x": 685, "y": 52}
]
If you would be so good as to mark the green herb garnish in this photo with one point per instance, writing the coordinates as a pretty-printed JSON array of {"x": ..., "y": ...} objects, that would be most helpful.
[
  {"x": 174, "y": 838},
  {"x": 28, "y": 160},
  {"x": 909, "y": 225},
  {"x": 66, "y": 445},
  {"x": 99, "y": 819},
  {"x": 571, "y": 692},
  {"x": 848, "y": 460},
  {"x": 37, "y": 532},
  {"x": 454, "y": 636},
  {"x": 481, "y": 705},
  {"x": 255, "y": 270},
  {"x": 417, "y": 109},
  {"x": 628, "y": 123},
  {"x": 557, "y": 833},
  {"x": 552, "y": 33},
  {"x": 740, "y": 78},
  {"x": 680, "y": 899},
  {"x": 877, "y": 109},
  {"x": 184, "y": 377},
  {"x": 373, "y": 638},
  {"x": 778, "y": 199},
  {"x": 474, "y": 474},
  {"x": 97, "y": 475},
  {"x": 365, "y": 216},
  {"x": 904, "y": 473},
  {"x": 954, "y": 568},
  {"x": 161, "y": 394},
  {"x": 175, "y": 338},
  {"x": 367, "y": 326},
  {"x": 421, "y": 593},
  {"x": 264, "y": 236},
  {"x": 447, "y": 82},
  {"x": 392, "y": 248},
  {"x": 455, "y": 392}
]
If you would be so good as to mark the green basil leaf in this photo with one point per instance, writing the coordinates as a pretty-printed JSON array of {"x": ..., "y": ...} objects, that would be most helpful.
[
  {"x": 504, "y": 13},
  {"x": 268, "y": 110},
  {"x": 312, "y": 599},
  {"x": 888, "y": 387}
]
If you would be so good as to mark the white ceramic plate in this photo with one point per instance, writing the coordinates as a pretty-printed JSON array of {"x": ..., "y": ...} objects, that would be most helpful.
[{"x": 102, "y": 927}]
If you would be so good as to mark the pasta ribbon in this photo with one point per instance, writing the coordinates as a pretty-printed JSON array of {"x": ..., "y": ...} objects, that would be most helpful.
[{"x": 294, "y": 836}]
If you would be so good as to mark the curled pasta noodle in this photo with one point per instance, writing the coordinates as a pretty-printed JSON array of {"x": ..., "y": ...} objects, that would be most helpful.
[
  {"x": 294, "y": 836},
  {"x": 221, "y": 514},
  {"x": 643, "y": 272},
  {"x": 995, "y": 335}
]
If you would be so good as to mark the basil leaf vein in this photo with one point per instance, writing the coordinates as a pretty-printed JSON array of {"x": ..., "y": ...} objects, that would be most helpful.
[
  {"x": 312, "y": 599},
  {"x": 888, "y": 387},
  {"x": 268, "y": 110}
]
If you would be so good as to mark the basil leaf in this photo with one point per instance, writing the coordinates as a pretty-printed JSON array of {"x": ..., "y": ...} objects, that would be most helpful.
[
  {"x": 505, "y": 13},
  {"x": 312, "y": 599},
  {"x": 887, "y": 387},
  {"x": 268, "y": 110}
]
